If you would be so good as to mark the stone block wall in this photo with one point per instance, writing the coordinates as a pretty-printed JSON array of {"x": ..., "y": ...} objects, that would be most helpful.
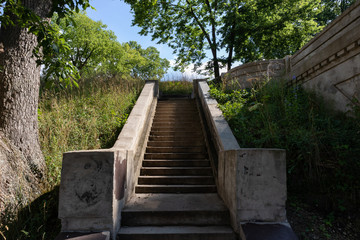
[
  {"x": 329, "y": 64},
  {"x": 246, "y": 75},
  {"x": 95, "y": 184}
]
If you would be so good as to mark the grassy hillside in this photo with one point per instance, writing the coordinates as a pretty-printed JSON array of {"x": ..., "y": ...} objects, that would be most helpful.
[
  {"x": 322, "y": 146},
  {"x": 89, "y": 117}
]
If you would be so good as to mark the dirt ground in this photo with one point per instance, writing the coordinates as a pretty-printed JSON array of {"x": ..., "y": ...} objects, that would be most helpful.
[{"x": 308, "y": 223}]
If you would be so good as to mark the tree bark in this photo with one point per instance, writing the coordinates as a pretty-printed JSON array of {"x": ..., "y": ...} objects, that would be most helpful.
[
  {"x": 216, "y": 66},
  {"x": 19, "y": 88}
]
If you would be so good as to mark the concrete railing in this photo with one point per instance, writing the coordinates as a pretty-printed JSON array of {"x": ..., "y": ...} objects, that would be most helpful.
[
  {"x": 95, "y": 184},
  {"x": 251, "y": 182},
  {"x": 249, "y": 74}
]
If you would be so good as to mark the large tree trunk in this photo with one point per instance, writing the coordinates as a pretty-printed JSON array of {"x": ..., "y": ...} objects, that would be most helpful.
[{"x": 19, "y": 88}]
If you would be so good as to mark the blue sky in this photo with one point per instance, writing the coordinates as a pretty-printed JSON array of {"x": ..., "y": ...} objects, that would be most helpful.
[{"x": 118, "y": 17}]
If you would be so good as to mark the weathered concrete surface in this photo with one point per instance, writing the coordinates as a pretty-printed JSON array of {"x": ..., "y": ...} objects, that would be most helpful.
[
  {"x": 261, "y": 184},
  {"x": 176, "y": 216},
  {"x": 175, "y": 210},
  {"x": 83, "y": 236},
  {"x": 134, "y": 134},
  {"x": 225, "y": 140},
  {"x": 177, "y": 233},
  {"x": 329, "y": 63},
  {"x": 95, "y": 184},
  {"x": 249, "y": 74},
  {"x": 252, "y": 182},
  {"x": 176, "y": 202},
  {"x": 87, "y": 190}
]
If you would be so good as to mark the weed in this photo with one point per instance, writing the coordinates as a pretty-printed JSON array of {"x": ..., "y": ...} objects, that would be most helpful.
[
  {"x": 322, "y": 145},
  {"x": 181, "y": 87},
  {"x": 89, "y": 117}
]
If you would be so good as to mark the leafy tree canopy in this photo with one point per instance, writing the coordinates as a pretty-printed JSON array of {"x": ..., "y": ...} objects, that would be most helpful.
[
  {"x": 266, "y": 29},
  {"x": 94, "y": 50},
  {"x": 153, "y": 67},
  {"x": 332, "y": 9},
  {"x": 247, "y": 30},
  {"x": 50, "y": 43}
]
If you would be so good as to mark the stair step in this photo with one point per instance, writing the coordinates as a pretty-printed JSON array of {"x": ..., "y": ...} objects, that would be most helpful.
[
  {"x": 181, "y": 103},
  {"x": 177, "y": 233},
  {"x": 176, "y": 180},
  {"x": 177, "y": 123},
  {"x": 176, "y": 196},
  {"x": 175, "y": 189},
  {"x": 171, "y": 124},
  {"x": 176, "y": 110},
  {"x": 186, "y": 138},
  {"x": 176, "y": 163},
  {"x": 174, "y": 117},
  {"x": 176, "y": 120},
  {"x": 176, "y": 171},
  {"x": 173, "y": 218},
  {"x": 180, "y": 123},
  {"x": 176, "y": 134},
  {"x": 177, "y": 117},
  {"x": 175, "y": 144},
  {"x": 173, "y": 150},
  {"x": 176, "y": 128},
  {"x": 175, "y": 113},
  {"x": 175, "y": 156}
]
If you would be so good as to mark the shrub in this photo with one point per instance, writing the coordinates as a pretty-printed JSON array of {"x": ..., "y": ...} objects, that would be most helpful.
[{"x": 322, "y": 145}]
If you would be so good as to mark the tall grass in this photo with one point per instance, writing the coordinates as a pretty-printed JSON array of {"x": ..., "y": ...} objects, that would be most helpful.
[
  {"x": 323, "y": 146},
  {"x": 176, "y": 87},
  {"x": 88, "y": 117}
]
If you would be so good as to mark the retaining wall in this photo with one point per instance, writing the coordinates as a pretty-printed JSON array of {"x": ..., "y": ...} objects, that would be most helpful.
[
  {"x": 329, "y": 64},
  {"x": 95, "y": 184},
  {"x": 248, "y": 74},
  {"x": 251, "y": 182}
]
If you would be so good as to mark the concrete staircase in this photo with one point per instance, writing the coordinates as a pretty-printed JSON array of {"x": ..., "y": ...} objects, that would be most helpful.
[{"x": 176, "y": 193}]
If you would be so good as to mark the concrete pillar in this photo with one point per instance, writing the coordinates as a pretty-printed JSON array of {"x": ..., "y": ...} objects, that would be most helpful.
[{"x": 92, "y": 190}]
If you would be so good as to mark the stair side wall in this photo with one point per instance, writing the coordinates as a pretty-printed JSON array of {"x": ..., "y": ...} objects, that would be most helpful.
[
  {"x": 251, "y": 182},
  {"x": 95, "y": 184}
]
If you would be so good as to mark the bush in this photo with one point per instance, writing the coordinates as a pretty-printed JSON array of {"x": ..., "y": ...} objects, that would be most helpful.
[{"x": 323, "y": 146}]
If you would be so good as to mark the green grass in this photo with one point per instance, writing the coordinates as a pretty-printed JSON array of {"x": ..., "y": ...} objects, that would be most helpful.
[
  {"x": 180, "y": 87},
  {"x": 323, "y": 146},
  {"x": 90, "y": 117},
  {"x": 87, "y": 118}
]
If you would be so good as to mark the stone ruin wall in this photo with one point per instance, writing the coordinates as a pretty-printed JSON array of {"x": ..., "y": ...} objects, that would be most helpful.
[
  {"x": 328, "y": 64},
  {"x": 246, "y": 75}
]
